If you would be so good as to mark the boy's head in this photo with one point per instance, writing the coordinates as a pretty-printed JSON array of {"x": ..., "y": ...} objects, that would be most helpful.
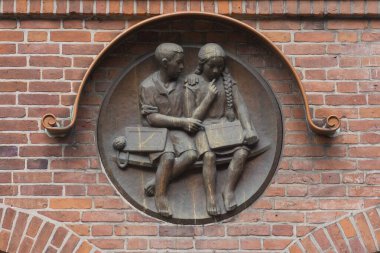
[{"x": 170, "y": 57}]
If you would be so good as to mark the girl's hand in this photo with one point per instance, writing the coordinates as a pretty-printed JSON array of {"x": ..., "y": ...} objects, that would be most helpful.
[
  {"x": 212, "y": 90},
  {"x": 250, "y": 137}
]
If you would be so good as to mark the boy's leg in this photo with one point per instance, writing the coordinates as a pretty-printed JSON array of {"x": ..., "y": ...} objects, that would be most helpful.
[
  {"x": 209, "y": 178},
  {"x": 162, "y": 178},
  {"x": 235, "y": 170},
  {"x": 181, "y": 163}
]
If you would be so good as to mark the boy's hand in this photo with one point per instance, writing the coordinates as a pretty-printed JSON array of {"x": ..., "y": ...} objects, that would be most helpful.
[
  {"x": 250, "y": 137},
  {"x": 191, "y": 125}
]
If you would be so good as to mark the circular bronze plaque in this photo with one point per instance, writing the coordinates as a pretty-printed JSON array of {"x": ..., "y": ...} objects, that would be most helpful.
[{"x": 121, "y": 109}]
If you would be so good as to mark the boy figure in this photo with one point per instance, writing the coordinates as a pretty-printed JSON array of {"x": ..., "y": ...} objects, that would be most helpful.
[{"x": 161, "y": 98}]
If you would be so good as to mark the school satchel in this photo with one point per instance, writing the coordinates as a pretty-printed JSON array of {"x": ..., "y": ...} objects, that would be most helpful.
[
  {"x": 145, "y": 139},
  {"x": 225, "y": 134}
]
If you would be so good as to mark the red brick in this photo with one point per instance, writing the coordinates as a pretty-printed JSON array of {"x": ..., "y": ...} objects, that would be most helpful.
[
  {"x": 316, "y": 62},
  {"x": 276, "y": 244},
  {"x": 356, "y": 178},
  {"x": 10, "y": 112},
  {"x": 7, "y": 190},
  {"x": 101, "y": 230},
  {"x": 349, "y": 37},
  {"x": 17, "y": 234},
  {"x": 37, "y": 164},
  {"x": 105, "y": 24},
  {"x": 27, "y": 203},
  {"x": 34, "y": 226},
  {"x": 41, "y": 190},
  {"x": 364, "y": 191},
  {"x": 70, "y": 244},
  {"x": 282, "y": 230},
  {"x": 108, "y": 243},
  {"x": 105, "y": 36},
  {"x": 37, "y": 36},
  {"x": 40, "y": 24},
  {"x": 109, "y": 203},
  {"x": 50, "y": 61},
  {"x": 52, "y": 73},
  {"x": 38, "y": 113},
  {"x": 221, "y": 244},
  {"x": 259, "y": 230},
  {"x": 4, "y": 240},
  {"x": 75, "y": 190},
  {"x": 365, "y": 232},
  {"x": 26, "y": 245},
  {"x": 348, "y": 24},
  {"x": 8, "y": 24},
  {"x": 314, "y": 37},
  {"x": 327, "y": 191},
  {"x": 330, "y": 178},
  {"x": 59, "y": 236},
  {"x": 374, "y": 218},
  {"x": 7, "y": 48},
  {"x": 43, "y": 237},
  {"x": 364, "y": 151},
  {"x": 250, "y": 244},
  {"x": 32, "y": 177},
  {"x": 62, "y": 216},
  {"x": 20, "y": 73},
  {"x": 70, "y": 203},
  {"x": 323, "y": 216},
  {"x": 347, "y": 227},
  {"x": 85, "y": 247},
  {"x": 103, "y": 216},
  {"x": 322, "y": 239},
  {"x": 74, "y": 177},
  {"x": 70, "y": 36},
  {"x": 73, "y": 23},
  {"x": 346, "y": 99},
  {"x": 38, "y": 48},
  {"x": 309, "y": 245},
  {"x": 292, "y": 204},
  {"x": 100, "y": 190},
  {"x": 341, "y": 204},
  {"x": 80, "y": 229},
  {"x": 12, "y": 61},
  {"x": 48, "y": 6},
  {"x": 8, "y": 219},
  {"x": 42, "y": 151},
  {"x": 137, "y": 244},
  {"x": 372, "y": 112},
  {"x": 81, "y": 163},
  {"x": 8, "y": 99},
  {"x": 337, "y": 238},
  {"x": 15, "y": 36}
]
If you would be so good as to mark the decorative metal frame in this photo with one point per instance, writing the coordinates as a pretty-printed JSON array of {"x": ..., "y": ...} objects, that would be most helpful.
[{"x": 327, "y": 126}]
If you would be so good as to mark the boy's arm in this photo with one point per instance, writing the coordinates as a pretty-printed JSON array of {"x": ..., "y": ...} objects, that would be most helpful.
[{"x": 150, "y": 111}]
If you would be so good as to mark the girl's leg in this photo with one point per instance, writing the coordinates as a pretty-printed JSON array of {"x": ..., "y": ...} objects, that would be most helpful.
[
  {"x": 209, "y": 178},
  {"x": 235, "y": 170}
]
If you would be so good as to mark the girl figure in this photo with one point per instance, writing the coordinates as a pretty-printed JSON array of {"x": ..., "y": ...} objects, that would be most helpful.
[{"x": 212, "y": 96}]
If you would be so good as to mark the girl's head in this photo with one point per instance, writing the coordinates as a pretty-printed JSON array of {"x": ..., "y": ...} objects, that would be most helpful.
[{"x": 211, "y": 61}]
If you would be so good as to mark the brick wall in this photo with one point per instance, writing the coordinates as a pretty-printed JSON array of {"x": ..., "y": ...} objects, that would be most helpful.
[{"x": 323, "y": 197}]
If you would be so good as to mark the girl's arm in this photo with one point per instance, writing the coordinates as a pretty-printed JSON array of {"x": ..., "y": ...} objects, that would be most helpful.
[
  {"x": 201, "y": 111},
  {"x": 243, "y": 115}
]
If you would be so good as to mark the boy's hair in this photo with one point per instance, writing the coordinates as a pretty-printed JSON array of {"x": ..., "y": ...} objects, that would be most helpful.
[{"x": 167, "y": 50}]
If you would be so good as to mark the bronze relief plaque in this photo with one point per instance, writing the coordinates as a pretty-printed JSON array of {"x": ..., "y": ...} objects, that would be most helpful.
[{"x": 189, "y": 132}]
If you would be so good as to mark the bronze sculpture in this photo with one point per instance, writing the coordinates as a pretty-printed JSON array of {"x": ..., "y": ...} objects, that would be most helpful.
[{"x": 205, "y": 105}]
